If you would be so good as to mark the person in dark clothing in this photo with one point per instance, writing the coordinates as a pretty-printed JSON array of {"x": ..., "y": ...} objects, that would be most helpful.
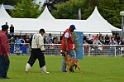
[
  {"x": 122, "y": 46},
  {"x": 12, "y": 29},
  {"x": 107, "y": 39},
  {"x": 4, "y": 52},
  {"x": 118, "y": 39}
]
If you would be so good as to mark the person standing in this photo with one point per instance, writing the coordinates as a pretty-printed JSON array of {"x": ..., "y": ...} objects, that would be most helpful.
[
  {"x": 4, "y": 52},
  {"x": 107, "y": 39},
  {"x": 37, "y": 52},
  {"x": 12, "y": 29},
  {"x": 112, "y": 46},
  {"x": 96, "y": 43},
  {"x": 68, "y": 45}
]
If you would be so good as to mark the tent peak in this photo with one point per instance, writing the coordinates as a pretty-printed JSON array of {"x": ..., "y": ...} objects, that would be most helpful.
[{"x": 46, "y": 14}]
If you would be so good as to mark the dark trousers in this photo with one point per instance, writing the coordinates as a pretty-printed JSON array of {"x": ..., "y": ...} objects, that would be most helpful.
[
  {"x": 95, "y": 50},
  {"x": 37, "y": 54},
  {"x": 4, "y": 66}
]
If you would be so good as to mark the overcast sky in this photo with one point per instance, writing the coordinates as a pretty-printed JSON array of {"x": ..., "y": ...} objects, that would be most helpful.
[{"x": 42, "y": 2}]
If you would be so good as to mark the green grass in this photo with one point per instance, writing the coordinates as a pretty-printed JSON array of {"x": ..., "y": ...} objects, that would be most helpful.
[{"x": 95, "y": 69}]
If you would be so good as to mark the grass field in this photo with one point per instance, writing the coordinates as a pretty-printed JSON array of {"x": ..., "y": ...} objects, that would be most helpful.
[{"x": 95, "y": 69}]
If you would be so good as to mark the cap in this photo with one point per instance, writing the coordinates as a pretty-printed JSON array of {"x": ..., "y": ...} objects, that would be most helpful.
[
  {"x": 4, "y": 27},
  {"x": 42, "y": 30},
  {"x": 73, "y": 26}
]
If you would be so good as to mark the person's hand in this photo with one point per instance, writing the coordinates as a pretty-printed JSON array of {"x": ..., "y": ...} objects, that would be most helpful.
[
  {"x": 6, "y": 58},
  {"x": 67, "y": 49},
  {"x": 75, "y": 48},
  {"x": 43, "y": 51}
]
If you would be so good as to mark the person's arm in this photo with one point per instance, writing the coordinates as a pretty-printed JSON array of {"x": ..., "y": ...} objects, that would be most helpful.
[
  {"x": 40, "y": 41},
  {"x": 66, "y": 43},
  {"x": 100, "y": 42},
  {"x": 94, "y": 42},
  {"x": 66, "y": 36},
  {"x": 5, "y": 45}
]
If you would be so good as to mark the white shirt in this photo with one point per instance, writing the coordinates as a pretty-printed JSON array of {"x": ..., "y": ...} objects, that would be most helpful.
[
  {"x": 37, "y": 42},
  {"x": 96, "y": 42},
  {"x": 90, "y": 37},
  {"x": 66, "y": 35}
]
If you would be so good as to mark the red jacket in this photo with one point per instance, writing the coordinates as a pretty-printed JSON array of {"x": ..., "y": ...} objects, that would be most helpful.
[
  {"x": 4, "y": 44},
  {"x": 69, "y": 41}
]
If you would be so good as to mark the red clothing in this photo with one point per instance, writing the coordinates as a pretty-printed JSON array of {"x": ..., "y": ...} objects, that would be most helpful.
[
  {"x": 95, "y": 37},
  {"x": 4, "y": 44},
  {"x": 69, "y": 41}
]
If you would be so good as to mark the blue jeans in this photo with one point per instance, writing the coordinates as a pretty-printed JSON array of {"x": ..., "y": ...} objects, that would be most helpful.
[
  {"x": 4, "y": 66},
  {"x": 72, "y": 54},
  {"x": 112, "y": 52}
]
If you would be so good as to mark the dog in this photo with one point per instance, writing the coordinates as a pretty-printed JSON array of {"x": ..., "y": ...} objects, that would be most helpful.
[{"x": 70, "y": 62}]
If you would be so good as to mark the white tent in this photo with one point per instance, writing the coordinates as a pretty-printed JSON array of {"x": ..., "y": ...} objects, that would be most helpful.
[
  {"x": 3, "y": 13},
  {"x": 57, "y": 25},
  {"x": 46, "y": 14},
  {"x": 96, "y": 17},
  {"x": 92, "y": 25}
]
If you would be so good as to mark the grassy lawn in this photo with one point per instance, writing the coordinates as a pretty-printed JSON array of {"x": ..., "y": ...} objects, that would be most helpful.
[{"x": 95, "y": 69}]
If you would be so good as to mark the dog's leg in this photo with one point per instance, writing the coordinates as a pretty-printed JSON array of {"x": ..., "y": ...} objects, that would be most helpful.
[
  {"x": 68, "y": 67},
  {"x": 78, "y": 67},
  {"x": 73, "y": 69}
]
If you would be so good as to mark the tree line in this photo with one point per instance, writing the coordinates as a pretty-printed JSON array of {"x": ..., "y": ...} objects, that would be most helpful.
[{"x": 109, "y": 9}]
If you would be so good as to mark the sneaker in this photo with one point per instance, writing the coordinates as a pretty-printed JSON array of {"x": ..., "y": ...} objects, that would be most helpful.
[
  {"x": 45, "y": 72},
  {"x": 6, "y": 78},
  {"x": 64, "y": 71},
  {"x": 1, "y": 77},
  {"x": 27, "y": 71}
]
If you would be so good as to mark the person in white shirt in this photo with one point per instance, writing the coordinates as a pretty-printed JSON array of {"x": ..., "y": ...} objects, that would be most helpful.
[
  {"x": 112, "y": 46},
  {"x": 90, "y": 37},
  {"x": 96, "y": 42},
  {"x": 37, "y": 52}
]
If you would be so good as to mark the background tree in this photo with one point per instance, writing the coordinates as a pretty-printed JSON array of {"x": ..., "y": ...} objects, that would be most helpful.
[
  {"x": 9, "y": 2},
  {"x": 68, "y": 10},
  {"x": 89, "y": 6},
  {"x": 26, "y": 9},
  {"x": 110, "y": 10}
]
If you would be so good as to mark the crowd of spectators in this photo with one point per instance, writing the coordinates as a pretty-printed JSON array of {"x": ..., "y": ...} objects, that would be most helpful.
[
  {"x": 108, "y": 41},
  {"x": 17, "y": 41},
  {"x": 103, "y": 39}
]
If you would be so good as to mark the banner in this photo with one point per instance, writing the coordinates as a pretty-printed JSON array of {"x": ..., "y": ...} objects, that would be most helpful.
[{"x": 79, "y": 43}]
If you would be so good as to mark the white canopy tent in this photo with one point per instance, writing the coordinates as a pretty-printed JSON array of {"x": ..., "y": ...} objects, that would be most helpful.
[
  {"x": 92, "y": 25},
  {"x": 26, "y": 25},
  {"x": 3, "y": 13},
  {"x": 96, "y": 17},
  {"x": 46, "y": 15}
]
